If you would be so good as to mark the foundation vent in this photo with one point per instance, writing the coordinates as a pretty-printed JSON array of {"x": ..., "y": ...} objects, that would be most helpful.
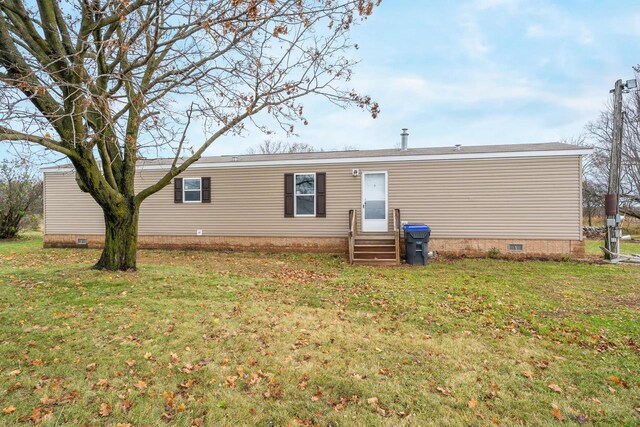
[
  {"x": 81, "y": 242},
  {"x": 515, "y": 247}
]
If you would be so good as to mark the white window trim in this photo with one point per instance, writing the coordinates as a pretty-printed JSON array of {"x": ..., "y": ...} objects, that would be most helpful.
[
  {"x": 184, "y": 190},
  {"x": 295, "y": 195}
]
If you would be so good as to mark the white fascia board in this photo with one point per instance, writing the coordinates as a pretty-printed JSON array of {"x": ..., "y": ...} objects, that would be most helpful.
[{"x": 343, "y": 160}]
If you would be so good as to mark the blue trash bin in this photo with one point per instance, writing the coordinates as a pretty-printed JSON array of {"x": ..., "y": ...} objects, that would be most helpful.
[{"x": 416, "y": 243}]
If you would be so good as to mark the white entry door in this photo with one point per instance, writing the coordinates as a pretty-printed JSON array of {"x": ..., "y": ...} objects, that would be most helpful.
[{"x": 374, "y": 202}]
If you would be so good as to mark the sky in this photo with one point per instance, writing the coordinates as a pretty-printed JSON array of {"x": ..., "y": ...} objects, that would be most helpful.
[
  {"x": 473, "y": 72},
  {"x": 476, "y": 72}
]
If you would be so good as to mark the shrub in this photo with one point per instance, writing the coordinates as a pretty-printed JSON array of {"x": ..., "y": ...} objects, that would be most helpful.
[
  {"x": 493, "y": 253},
  {"x": 20, "y": 195}
]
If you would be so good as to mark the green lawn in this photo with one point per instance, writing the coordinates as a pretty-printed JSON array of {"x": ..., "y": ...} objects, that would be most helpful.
[
  {"x": 251, "y": 339},
  {"x": 592, "y": 247}
]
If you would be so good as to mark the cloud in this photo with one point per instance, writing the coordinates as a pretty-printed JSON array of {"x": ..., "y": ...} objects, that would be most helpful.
[{"x": 479, "y": 71}]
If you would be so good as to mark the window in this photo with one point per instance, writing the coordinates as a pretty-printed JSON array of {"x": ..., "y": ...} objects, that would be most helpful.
[
  {"x": 305, "y": 194},
  {"x": 515, "y": 247},
  {"x": 192, "y": 190}
]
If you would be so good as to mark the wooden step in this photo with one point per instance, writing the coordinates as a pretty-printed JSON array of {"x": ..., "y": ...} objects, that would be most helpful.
[
  {"x": 379, "y": 262},
  {"x": 374, "y": 255},
  {"x": 374, "y": 248},
  {"x": 377, "y": 242}
]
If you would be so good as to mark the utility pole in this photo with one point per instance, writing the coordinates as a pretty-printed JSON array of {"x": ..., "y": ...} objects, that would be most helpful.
[{"x": 611, "y": 200}]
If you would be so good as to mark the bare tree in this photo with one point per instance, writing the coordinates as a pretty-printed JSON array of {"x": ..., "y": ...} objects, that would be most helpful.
[
  {"x": 278, "y": 147},
  {"x": 108, "y": 82},
  {"x": 20, "y": 194},
  {"x": 599, "y": 134}
]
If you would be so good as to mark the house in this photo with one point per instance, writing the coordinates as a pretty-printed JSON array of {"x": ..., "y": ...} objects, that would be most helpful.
[{"x": 524, "y": 199}]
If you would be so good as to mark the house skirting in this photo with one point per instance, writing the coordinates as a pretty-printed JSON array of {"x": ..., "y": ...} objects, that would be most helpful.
[
  {"x": 530, "y": 247},
  {"x": 467, "y": 247},
  {"x": 233, "y": 243}
]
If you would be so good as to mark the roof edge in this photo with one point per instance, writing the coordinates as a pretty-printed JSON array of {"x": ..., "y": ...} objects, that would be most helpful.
[{"x": 578, "y": 151}]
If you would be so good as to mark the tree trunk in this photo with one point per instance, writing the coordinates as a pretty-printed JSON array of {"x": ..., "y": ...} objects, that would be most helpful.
[{"x": 120, "y": 240}]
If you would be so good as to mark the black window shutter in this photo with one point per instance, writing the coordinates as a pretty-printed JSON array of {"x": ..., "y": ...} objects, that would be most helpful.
[
  {"x": 177, "y": 190},
  {"x": 321, "y": 194},
  {"x": 206, "y": 189},
  {"x": 288, "y": 195}
]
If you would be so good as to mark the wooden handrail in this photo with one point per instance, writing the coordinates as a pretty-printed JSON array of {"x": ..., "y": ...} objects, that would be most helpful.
[
  {"x": 352, "y": 233},
  {"x": 396, "y": 232}
]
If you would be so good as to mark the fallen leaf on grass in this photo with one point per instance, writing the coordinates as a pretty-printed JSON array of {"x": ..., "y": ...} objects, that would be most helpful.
[
  {"x": 304, "y": 383},
  {"x": 126, "y": 404},
  {"x": 372, "y": 401},
  {"x": 102, "y": 383},
  {"x": 173, "y": 358},
  {"x": 555, "y": 387},
  {"x": 168, "y": 397},
  {"x": 140, "y": 385},
  {"x": 15, "y": 372},
  {"x": 472, "y": 403},
  {"x": 15, "y": 386},
  {"x": 528, "y": 374},
  {"x": 40, "y": 414},
  {"x": 557, "y": 414},
  {"x": 198, "y": 422},
  {"x": 9, "y": 410},
  {"x": 69, "y": 397},
  {"x": 618, "y": 381},
  {"x": 105, "y": 410},
  {"x": 91, "y": 367},
  {"x": 230, "y": 381},
  {"x": 45, "y": 400},
  {"x": 444, "y": 391},
  {"x": 581, "y": 419},
  {"x": 187, "y": 384}
]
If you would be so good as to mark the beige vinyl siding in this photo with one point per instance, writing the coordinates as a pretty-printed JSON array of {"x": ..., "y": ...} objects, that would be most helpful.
[
  {"x": 67, "y": 209},
  {"x": 526, "y": 198}
]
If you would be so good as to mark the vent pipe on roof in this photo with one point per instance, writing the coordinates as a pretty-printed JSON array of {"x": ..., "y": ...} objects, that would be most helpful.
[
  {"x": 457, "y": 147},
  {"x": 404, "y": 141}
]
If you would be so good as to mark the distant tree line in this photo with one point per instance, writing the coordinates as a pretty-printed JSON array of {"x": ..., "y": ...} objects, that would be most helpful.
[{"x": 281, "y": 147}]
